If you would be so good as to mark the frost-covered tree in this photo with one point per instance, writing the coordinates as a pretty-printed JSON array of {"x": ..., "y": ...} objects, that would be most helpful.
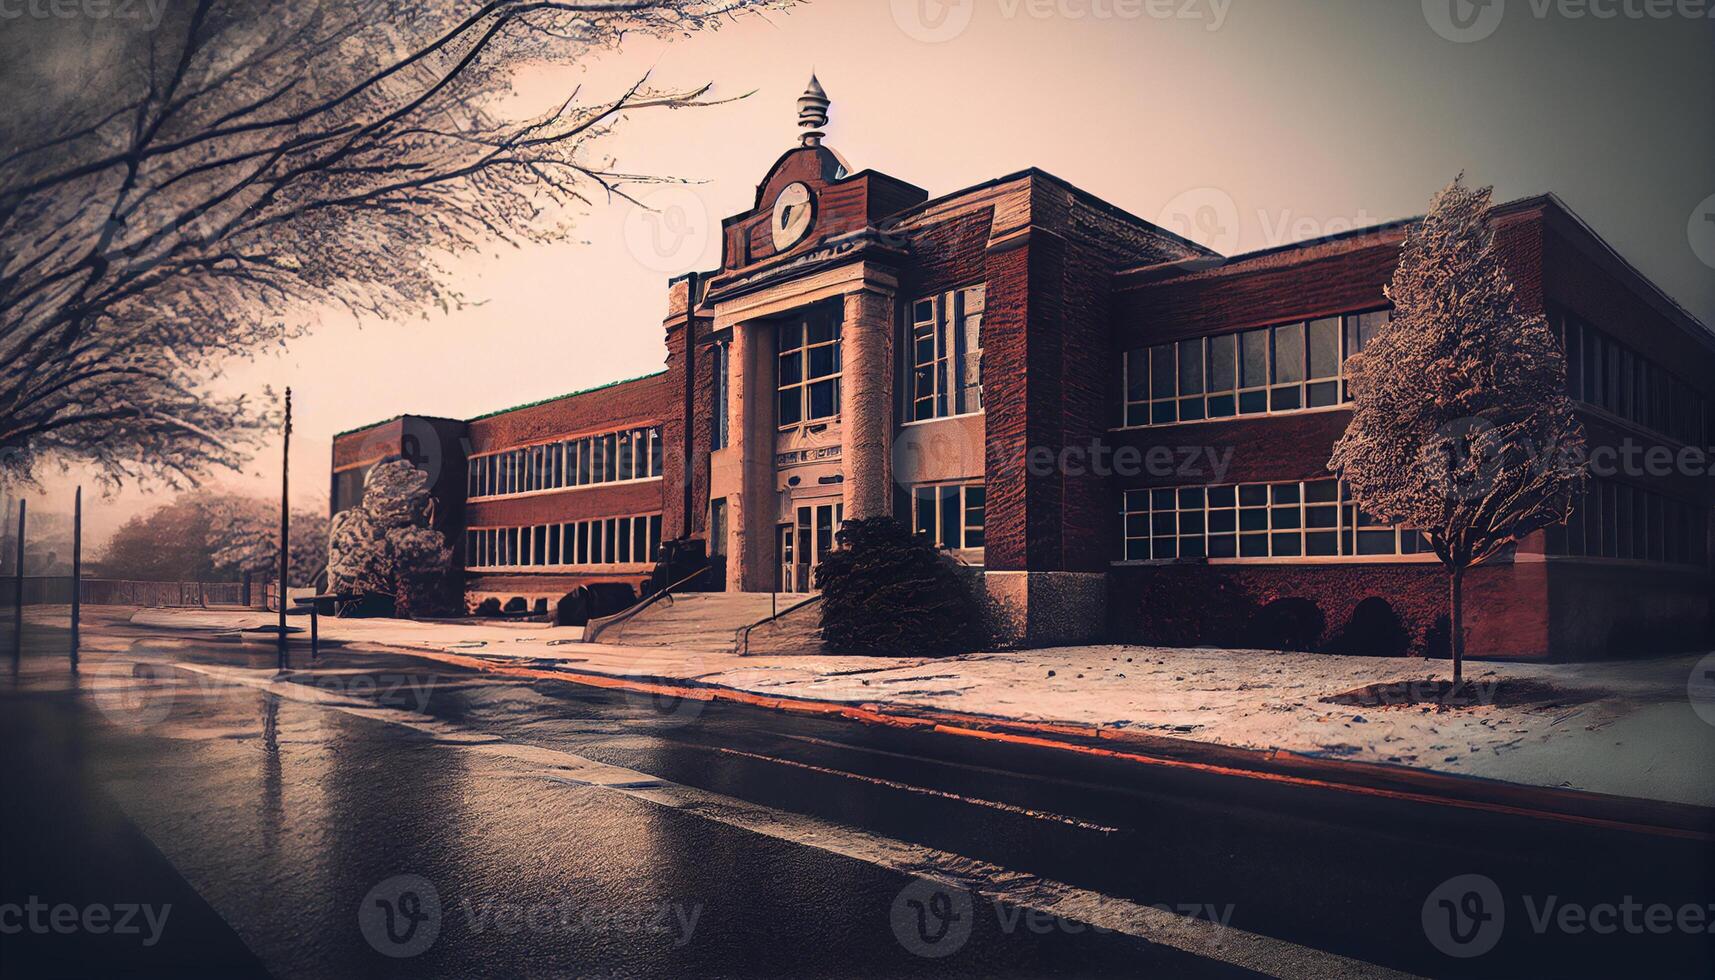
[
  {"x": 386, "y": 544},
  {"x": 175, "y": 193},
  {"x": 1461, "y": 426},
  {"x": 203, "y": 536},
  {"x": 245, "y": 532}
]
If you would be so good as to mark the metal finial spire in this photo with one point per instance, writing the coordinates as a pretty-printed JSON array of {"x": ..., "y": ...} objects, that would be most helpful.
[{"x": 813, "y": 113}]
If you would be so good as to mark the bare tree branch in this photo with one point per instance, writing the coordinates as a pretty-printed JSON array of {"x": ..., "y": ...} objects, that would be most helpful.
[{"x": 248, "y": 163}]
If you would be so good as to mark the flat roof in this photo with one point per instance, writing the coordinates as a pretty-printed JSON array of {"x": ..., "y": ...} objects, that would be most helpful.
[
  {"x": 569, "y": 394},
  {"x": 501, "y": 411},
  {"x": 1140, "y": 276}
]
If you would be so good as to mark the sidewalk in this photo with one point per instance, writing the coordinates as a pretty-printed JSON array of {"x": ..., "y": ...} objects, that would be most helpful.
[{"x": 1622, "y": 728}]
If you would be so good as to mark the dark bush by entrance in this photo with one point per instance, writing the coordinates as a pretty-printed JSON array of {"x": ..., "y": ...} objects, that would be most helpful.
[
  {"x": 1287, "y": 624},
  {"x": 516, "y": 605},
  {"x": 611, "y": 597},
  {"x": 573, "y": 609},
  {"x": 1375, "y": 630},
  {"x": 587, "y": 602},
  {"x": 488, "y": 607},
  {"x": 680, "y": 559},
  {"x": 887, "y": 592}
]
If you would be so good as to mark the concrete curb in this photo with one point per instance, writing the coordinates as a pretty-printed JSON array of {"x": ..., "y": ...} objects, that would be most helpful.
[{"x": 1633, "y": 814}]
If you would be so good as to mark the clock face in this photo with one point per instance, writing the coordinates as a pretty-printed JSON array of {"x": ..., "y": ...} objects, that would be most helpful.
[{"x": 792, "y": 214}]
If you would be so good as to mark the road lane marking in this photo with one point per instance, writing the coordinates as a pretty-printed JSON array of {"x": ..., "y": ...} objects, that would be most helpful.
[
  {"x": 926, "y": 791},
  {"x": 1194, "y": 936}
]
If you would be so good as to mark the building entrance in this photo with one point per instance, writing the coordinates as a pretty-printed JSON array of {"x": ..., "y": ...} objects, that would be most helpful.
[{"x": 804, "y": 542}]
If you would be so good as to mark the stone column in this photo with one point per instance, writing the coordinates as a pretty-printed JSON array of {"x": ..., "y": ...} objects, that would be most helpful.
[
  {"x": 751, "y": 511},
  {"x": 866, "y": 402}
]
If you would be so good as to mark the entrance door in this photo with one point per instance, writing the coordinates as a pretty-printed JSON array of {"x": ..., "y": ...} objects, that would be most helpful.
[{"x": 805, "y": 542}]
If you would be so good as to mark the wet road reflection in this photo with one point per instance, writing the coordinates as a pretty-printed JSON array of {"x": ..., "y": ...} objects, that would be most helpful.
[{"x": 383, "y": 818}]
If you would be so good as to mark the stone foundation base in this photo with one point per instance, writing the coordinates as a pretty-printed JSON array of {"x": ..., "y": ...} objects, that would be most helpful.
[{"x": 1039, "y": 609}]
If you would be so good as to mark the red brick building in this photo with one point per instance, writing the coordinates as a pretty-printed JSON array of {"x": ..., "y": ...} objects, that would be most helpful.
[{"x": 1126, "y": 433}]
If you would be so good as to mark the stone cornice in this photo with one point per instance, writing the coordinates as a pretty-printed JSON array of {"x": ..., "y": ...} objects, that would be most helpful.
[{"x": 869, "y": 245}]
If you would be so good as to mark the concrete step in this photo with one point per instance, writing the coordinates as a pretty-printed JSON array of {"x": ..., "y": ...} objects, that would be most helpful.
[{"x": 706, "y": 622}]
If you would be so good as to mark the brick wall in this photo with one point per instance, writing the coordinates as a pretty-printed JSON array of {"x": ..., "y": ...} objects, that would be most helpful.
[
  {"x": 643, "y": 401},
  {"x": 1223, "y": 605}
]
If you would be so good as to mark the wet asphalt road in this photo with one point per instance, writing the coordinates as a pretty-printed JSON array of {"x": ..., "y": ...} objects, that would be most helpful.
[{"x": 560, "y": 830}]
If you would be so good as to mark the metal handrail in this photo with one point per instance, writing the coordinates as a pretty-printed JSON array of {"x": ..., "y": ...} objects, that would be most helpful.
[
  {"x": 596, "y": 627},
  {"x": 743, "y": 640}
]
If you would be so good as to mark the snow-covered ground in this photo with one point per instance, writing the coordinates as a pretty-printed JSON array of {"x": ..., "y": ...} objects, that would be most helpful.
[{"x": 1632, "y": 732}]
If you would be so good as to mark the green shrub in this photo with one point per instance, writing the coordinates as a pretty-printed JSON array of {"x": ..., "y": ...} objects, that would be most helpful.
[{"x": 887, "y": 592}]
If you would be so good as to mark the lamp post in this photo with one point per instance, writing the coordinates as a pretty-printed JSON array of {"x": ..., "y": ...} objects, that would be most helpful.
[
  {"x": 76, "y": 572},
  {"x": 285, "y": 523}
]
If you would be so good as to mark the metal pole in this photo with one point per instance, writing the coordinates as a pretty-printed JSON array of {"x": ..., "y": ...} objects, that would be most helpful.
[
  {"x": 314, "y": 638},
  {"x": 18, "y": 592},
  {"x": 76, "y": 571},
  {"x": 285, "y": 522}
]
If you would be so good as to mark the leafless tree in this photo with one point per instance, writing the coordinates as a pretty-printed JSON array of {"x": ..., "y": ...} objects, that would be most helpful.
[
  {"x": 1461, "y": 424},
  {"x": 175, "y": 195}
]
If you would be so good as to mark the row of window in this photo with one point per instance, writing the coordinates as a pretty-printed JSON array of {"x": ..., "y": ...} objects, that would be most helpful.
[
  {"x": 1257, "y": 520},
  {"x": 1618, "y": 520},
  {"x": 633, "y": 454},
  {"x": 1611, "y": 376},
  {"x": 1269, "y": 369},
  {"x": 945, "y": 358},
  {"x": 609, "y": 541},
  {"x": 951, "y": 515},
  {"x": 946, "y": 355}
]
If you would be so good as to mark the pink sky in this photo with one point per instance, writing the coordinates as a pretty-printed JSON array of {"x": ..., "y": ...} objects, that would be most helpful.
[{"x": 1243, "y": 124}]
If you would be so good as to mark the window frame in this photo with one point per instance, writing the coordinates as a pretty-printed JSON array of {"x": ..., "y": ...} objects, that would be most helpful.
[
  {"x": 804, "y": 351},
  {"x": 1205, "y": 398},
  {"x": 943, "y": 347},
  {"x": 573, "y": 463},
  {"x": 1279, "y": 522},
  {"x": 962, "y": 493}
]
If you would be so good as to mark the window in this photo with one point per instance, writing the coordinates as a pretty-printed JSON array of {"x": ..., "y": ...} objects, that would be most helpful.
[
  {"x": 717, "y": 527},
  {"x": 633, "y": 454},
  {"x": 808, "y": 375},
  {"x": 634, "y": 539},
  {"x": 1610, "y": 376},
  {"x": 1618, "y": 520},
  {"x": 720, "y": 357},
  {"x": 946, "y": 355},
  {"x": 1313, "y": 519},
  {"x": 627, "y": 456},
  {"x": 952, "y": 515},
  {"x": 1270, "y": 369}
]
